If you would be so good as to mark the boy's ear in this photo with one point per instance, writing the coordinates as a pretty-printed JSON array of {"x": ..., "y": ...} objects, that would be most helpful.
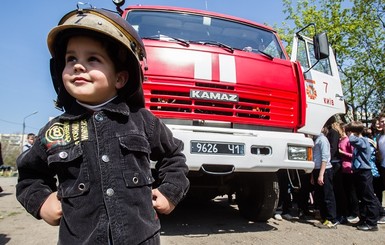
[{"x": 122, "y": 79}]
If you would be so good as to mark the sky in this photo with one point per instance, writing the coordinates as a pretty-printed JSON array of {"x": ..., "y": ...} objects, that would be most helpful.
[{"x": 26, "y": 91}]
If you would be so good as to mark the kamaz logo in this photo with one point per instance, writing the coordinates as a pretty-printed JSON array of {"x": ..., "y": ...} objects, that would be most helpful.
[{"x": 207, "y": 95}]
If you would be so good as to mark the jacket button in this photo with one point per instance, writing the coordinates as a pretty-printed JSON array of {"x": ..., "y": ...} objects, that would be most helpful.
[
  {"x": 99, "y": 117},
  {"x": 105, "y": 158},
  {"x": 135, "y": 180},
  {"x": 81, "y": 186},
  {"x": 110, "y": 192},
  {"x": 63, "y": 155}
]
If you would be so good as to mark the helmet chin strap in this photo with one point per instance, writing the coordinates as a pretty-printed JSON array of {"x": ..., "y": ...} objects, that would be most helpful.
[{"x": 96, "y": 107}]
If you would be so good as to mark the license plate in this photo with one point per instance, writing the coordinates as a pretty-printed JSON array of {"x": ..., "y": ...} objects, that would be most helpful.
[{"x": 206, "y": 147}]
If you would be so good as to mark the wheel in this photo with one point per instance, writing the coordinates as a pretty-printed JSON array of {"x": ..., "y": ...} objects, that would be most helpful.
[{"x": 257, "y": 196}]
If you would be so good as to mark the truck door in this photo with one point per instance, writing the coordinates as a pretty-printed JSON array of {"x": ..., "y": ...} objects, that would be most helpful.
[{"x": 323, "y": 87}]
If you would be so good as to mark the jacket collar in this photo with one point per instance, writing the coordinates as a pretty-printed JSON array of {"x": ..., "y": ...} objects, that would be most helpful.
[{"x": 76, "y": 111}]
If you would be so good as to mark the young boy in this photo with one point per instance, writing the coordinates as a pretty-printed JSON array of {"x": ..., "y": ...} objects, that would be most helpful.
[
  {"x": 363, "y": 178},
  {"x": 101, "y": 146},
  {"x": 322, "y": 178},
  {"x": 30, "y": 140}
]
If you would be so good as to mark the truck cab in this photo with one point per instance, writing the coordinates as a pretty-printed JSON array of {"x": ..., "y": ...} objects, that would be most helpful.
[{"x": 226, "y": 87}]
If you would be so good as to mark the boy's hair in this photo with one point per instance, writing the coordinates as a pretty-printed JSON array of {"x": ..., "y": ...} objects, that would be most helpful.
[
  {"x": 337, "y": 127},
  {"x": 116, "y": 52},
  {"x": 325, "y": 130},
  {"x": 30, "y": 135},
  {"x": 367, "y": 133},
  {"x": 381, "y": 116},
  {"x": 355, "y": 127}
]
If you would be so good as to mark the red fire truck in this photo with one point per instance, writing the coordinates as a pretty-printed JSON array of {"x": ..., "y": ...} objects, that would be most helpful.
[{"x": 226, "y": 87}]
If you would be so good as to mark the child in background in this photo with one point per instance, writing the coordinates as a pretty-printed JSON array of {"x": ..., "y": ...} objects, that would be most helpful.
[
  {"x": 346, "y": 153},
  {"x": 30, "y": 141},
  {"x": 380, "y": 139},
  {"x": 101, "y": 146},
  {"x": 322, "y": 179},
  {"x": 363, "y": 178},
  {"x": 377, "y": 181}
]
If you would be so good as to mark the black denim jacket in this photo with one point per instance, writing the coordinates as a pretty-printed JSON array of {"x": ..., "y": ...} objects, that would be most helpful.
[{"x": 102, "y": 162}]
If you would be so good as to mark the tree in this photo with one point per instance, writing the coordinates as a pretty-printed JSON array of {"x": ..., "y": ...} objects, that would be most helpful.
[{"x": 356, "y": 31}]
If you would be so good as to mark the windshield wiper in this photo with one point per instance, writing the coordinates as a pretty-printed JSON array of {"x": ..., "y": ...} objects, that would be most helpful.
[
  {"x": 215, "y": 43},
  {"x": 162, "y": 37},
  {"x": 255, "y": 50}
]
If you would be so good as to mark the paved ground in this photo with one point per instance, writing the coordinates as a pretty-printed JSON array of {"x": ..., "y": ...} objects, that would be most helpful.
[{"x": 211, "y": 224}]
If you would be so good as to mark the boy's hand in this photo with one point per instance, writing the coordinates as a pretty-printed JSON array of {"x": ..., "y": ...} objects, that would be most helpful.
[
  {"x": 51, "y": 211},
  {"x": 320, "y": 180},
  {"x": 161, "y": 203}
]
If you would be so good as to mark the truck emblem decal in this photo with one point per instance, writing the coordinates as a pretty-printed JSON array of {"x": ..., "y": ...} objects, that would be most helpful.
[
  {"x": 310, "y": 89},
  {"x": 217, "y": 96}
]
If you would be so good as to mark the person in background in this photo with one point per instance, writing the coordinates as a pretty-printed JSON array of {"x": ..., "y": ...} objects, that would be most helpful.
[
  {"x": 363, "y": 178},
  {"x": 1, "y": 163},
  {"x": 30, "y": 141},
  {"x": 1, "y": 156},
  {"x": 285, "y": 199},
  {"x": 333, "y": 136},
  {"x": 378, "y": 186},
  {"x": 380, "y": 139},
  {"x": 346, "y": 153},
  {"x": 322, "y": 179},
  {"x": 304, "y": 196},
  {"x": 376, "y": 128}
]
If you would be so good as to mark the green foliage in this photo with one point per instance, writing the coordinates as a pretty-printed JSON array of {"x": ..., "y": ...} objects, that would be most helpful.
[
  {"x": 356, "y": 31},
  {"x": 10, "y": 152}
]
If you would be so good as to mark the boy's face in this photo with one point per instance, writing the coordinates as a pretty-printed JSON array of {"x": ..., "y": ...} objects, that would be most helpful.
[
  {"x": 31, "y": 139},
  {"x": 89, "y": 74}
]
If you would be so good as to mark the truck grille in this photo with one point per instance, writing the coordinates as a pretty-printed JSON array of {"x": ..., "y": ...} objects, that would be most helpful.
[{"x": 168, "y": 100}]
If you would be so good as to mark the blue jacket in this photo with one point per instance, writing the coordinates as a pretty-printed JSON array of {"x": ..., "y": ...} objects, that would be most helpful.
[
  {"x": 321, "y": 152},
  {"x": 362, "y": 152},
  {"x": 105, "y": 181}
]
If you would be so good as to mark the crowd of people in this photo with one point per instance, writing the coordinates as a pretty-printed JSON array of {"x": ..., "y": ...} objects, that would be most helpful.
[{"x": 348, "y": 180}]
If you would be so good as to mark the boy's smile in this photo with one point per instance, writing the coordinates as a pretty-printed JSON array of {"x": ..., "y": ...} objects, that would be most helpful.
[
  {"x": 80, "y": 80},
  {"x": 89, "y": 74}
]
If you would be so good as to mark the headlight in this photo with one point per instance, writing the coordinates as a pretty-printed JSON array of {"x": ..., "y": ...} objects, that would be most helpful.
[{"x": 301, "y": 153}]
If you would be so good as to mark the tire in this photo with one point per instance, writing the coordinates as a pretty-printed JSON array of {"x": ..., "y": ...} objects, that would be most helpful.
[{"x": 257, "y": 196}]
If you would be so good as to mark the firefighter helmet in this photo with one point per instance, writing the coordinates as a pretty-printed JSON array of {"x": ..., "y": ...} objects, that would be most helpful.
[{"x": 107, "y": 25}]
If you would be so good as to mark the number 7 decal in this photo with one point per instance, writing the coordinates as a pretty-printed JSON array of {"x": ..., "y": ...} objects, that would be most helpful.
[{"x": 326, "y": 87}]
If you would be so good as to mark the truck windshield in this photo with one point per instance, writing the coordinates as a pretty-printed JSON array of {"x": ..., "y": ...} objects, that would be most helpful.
[{"x": 206, "y": 30}]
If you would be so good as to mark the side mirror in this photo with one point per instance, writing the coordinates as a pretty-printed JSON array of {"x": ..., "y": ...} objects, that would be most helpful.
[
  {"x": 321, "y": 46},
  {"x": 118, "y": 3}
]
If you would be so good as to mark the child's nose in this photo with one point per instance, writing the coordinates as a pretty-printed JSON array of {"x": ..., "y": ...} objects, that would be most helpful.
[{"x": 79, "y": 67}]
